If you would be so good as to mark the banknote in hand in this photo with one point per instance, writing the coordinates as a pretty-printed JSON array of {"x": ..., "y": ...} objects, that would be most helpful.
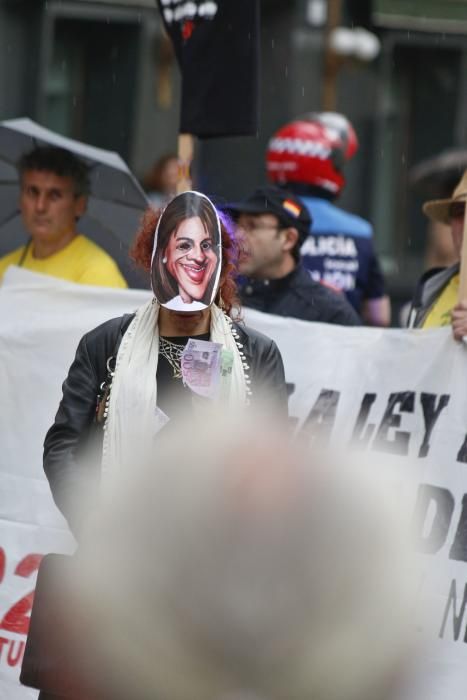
[{"x": 201, "y": 367}]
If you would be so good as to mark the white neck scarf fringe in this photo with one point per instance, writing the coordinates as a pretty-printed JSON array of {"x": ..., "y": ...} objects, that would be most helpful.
[{"x": 133, "y": 395}]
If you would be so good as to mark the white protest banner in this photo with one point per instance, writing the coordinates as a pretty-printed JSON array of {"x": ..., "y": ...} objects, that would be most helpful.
[
  {"x": 42, "y": 320},
  {"x": 394, "y": 392},
  {"x": 399, "y": 396}
]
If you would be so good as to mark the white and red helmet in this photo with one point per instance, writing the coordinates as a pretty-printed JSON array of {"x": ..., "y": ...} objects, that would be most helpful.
[{"x": 312, "y": 150}]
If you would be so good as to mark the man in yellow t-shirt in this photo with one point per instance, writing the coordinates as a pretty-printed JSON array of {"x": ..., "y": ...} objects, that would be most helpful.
[
  {"x": 436, "y": 300},
  {"x": 54, "y": 191}
]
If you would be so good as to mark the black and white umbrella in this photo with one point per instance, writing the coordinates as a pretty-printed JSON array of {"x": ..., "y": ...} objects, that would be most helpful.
[{"x": 115, "y": 205}]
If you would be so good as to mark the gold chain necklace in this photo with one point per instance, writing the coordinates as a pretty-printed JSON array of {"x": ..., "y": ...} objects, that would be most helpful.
[{"x": 173, "y": 354}]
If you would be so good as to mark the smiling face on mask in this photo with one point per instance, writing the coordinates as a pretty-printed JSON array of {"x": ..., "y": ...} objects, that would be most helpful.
[
  {"x": 191, "y": 259},
  {"x": 187, "y": 254}
]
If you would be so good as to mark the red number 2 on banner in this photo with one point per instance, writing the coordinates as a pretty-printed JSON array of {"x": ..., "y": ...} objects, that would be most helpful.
[
  {"x": 2, "y": 563},
  {"x": 16, "y": 619}
]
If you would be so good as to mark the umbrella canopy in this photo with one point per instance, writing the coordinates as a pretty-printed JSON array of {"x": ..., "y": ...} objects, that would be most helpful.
[{"x": 115, "y": 204}]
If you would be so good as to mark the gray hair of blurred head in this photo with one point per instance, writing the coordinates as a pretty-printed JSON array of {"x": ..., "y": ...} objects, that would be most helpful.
[{"x": 236, "y": 563}]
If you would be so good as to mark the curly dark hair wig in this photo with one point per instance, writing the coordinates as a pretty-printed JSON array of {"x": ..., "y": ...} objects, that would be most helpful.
[{"x": 226, "y": 297}]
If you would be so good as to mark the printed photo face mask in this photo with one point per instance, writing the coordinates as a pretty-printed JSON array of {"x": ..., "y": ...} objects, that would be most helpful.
[{"x": 187, "y": 254}]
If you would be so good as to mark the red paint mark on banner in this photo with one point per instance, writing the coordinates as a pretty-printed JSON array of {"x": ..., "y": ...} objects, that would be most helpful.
[
  {"x": 2, "y": 563},
  {"x": 28, "y": 565},
  {"x": 16, "y": 619}
]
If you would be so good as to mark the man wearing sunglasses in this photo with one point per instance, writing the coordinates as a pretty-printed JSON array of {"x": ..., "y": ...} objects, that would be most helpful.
[
  {"x": 274, "y": 224},
  {"x": 435, "y": 301}
]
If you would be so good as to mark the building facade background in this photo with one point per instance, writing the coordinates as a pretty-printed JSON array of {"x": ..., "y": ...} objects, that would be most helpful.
[{"x": 102, "y": 71}]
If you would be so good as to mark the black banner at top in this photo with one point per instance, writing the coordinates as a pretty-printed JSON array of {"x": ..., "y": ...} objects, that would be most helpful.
[{"x": 217, "y": 47}]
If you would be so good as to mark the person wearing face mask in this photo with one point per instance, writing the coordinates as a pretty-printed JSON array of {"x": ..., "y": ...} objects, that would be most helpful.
[
  {"x": 128, "y": 377},
  {"x": 188, "y": 252},
  {"x": 435, "y": 301}
]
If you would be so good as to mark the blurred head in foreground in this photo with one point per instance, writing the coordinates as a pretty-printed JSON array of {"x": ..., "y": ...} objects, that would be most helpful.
[{"x": 239, "y": 565}]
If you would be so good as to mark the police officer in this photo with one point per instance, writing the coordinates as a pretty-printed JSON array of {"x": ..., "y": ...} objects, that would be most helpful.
[
  {"x": 275, "y": 223},
  {"x": 307, "y": 156}
]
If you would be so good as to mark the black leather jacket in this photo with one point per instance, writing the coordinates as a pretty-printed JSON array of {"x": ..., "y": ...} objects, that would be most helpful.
[
  {"x": 297, "y": 295},
  {"x": 75, "y": 430}
]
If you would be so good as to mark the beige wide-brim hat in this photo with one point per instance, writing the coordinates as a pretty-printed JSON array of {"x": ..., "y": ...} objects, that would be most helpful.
[{"x": 438, "y": 209}]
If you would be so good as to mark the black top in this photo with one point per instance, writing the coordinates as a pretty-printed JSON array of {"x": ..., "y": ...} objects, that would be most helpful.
[
  {"x": 299, "y": 296},
  {"x": 173, "y": 397}
]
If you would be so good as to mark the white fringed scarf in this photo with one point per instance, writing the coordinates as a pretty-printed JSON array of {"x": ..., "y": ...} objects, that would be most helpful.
[{"x": 133, "y": 396}]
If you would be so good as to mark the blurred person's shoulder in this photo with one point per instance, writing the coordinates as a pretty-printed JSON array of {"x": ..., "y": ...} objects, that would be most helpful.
[
  {"x": 324, "y": 304},
  {"x": 97, "y": 266},
  {"x": 102, "y": 342},
  {"x": 261, "y": 350},
  {"x": 87, "y": 249},
  {"x": 254, "y": 338},
  {"x": 113, "y": 328},
  {"x": 330, "y": 219}
]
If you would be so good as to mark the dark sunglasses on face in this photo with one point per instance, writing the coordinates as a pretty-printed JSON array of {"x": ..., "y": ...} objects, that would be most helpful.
[{"x": 457, "y": 210}]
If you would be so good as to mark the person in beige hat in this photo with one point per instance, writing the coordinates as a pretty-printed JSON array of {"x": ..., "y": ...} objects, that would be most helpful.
[{"x": 435, "y": 302}]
